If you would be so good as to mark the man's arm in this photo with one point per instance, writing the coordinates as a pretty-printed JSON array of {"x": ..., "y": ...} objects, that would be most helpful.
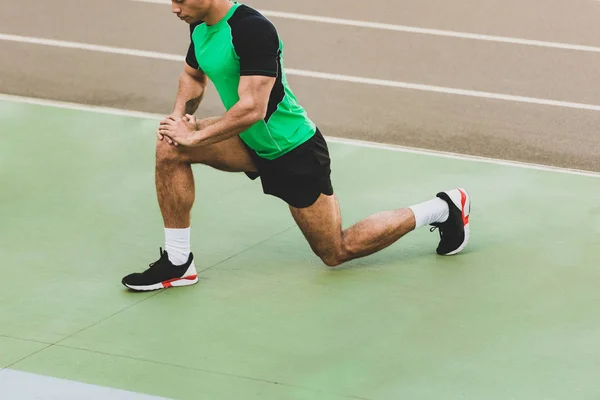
[
  {"x": 254, "y": 92},
  {"x": 192, "y": 83}
]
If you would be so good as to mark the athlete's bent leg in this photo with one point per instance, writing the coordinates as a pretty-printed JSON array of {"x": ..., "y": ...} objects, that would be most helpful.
[
  {"x": 175, "y": 181},
  {"x": 321, "y": 225},
  {"x": 175, "y": 190}
]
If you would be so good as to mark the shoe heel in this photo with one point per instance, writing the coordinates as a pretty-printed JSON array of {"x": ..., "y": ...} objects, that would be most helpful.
[{"x": 185, "y": 281}]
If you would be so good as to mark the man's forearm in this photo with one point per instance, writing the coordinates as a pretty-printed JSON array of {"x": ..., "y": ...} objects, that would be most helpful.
[
  {"x": 235, "y": 121},
  {"x": 189, "y": 94},
  {"x": 206, "y": 122}
]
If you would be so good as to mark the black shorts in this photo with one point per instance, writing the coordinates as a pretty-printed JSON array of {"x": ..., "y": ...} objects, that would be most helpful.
[{"x": 298, "y": 177}]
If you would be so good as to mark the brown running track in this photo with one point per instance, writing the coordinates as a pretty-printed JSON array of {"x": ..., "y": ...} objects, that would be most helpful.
[{"x": 493, "y": 128}]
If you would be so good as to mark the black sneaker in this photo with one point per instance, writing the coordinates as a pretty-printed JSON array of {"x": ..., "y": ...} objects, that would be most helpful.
[
  {"x": 162, "y": 274},
  {"x": 454, "y": 232}
]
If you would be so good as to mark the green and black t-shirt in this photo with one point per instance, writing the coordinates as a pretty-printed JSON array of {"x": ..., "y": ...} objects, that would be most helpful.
[{"x": 245, "y": 43}]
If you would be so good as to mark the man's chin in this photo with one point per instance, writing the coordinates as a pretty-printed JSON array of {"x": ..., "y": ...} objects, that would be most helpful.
[{"x": 191, "y": 21}]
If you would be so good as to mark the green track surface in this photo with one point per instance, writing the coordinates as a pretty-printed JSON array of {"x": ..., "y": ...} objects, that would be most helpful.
[{"x": 513, "y": 317}]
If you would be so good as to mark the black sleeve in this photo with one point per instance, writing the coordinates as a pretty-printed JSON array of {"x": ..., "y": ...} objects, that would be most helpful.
[
  {"x": 256, "y": 43},
  {"x": 190, "y": 58}
]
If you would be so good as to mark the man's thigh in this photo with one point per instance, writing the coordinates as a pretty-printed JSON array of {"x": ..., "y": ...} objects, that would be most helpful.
[
  {"x": 321, "y": 223},
  {"x": 229, "y": 155}
]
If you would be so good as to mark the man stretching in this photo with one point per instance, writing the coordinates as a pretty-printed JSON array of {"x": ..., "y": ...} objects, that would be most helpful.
[{"x": 264, "y": 133}]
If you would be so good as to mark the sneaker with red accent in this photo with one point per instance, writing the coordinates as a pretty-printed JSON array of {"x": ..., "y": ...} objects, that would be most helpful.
[
  {"x": 454, "y": 232},
  {"x": 163, "y": 274}
]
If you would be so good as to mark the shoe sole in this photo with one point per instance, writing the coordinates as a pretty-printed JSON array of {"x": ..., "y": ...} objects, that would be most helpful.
[
  {"x": 466, "y": 214},
  {"x": 463, "y": 245},
  {"x": 177, "y": 282}
]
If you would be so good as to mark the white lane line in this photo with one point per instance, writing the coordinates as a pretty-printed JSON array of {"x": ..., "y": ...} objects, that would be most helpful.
[
  {"x": 24, "y": 385},
  {"x": 352, "y": 142},
  {"x": 414, "y": 29},
  {"x": 441, "y": 89},
  {"x": 311, "y": 74},
  {"x": 90, "y": 47}
]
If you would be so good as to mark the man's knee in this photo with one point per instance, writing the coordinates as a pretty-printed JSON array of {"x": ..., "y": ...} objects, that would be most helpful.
[
  {"x": 331, "y": 260},
  {"x": 334, "y": 256},
  {"x": 167, "y": 153}
]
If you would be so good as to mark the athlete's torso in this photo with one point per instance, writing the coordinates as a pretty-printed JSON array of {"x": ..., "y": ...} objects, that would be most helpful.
[{"x": 245, "y": 43}]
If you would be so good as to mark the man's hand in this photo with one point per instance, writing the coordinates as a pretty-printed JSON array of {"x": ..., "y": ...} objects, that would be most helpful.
[
  {"x": 173, "y": 117},
  {"x": 180, "y": 131}
]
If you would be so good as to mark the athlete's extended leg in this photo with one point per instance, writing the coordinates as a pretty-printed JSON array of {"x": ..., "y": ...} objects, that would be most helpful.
[{"x": 321, "y": 225}]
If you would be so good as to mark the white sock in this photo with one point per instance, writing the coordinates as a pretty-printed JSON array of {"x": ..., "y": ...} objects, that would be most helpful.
[
  {"x": 177, "y": 245},
  {"x": 431, "y": 211}
]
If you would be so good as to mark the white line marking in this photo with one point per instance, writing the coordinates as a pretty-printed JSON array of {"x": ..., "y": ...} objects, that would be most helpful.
[
  {"x": 79, "y": 107},
  {"x": 352, "y": 142},
  {"x": 310, "y": 74},
  {"x": 90, "y": 47},
  {"x": 413, "y": 29},
  {"x": 25, "y": 385},
  {"x": 441, "y": 89}
]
